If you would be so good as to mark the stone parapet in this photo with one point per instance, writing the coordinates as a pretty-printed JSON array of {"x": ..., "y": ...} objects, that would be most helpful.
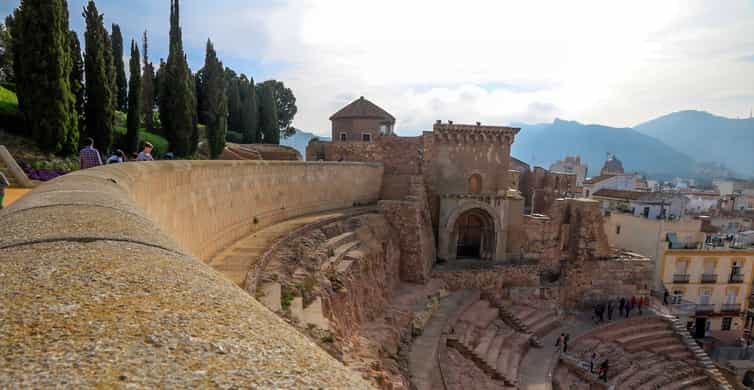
[{"x": 102, "y": 282}]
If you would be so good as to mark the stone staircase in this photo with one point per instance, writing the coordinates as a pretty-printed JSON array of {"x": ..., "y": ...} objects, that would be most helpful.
[
  {"x": 645, "y": 353},
  {"x": 484, "y": 338},
  {"x": 528, "y": 320},
  {"x": 6, "y": 172}
]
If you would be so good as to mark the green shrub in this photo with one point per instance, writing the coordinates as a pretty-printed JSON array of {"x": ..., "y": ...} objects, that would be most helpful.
[
  {"x": 120, "y": 119},
  {"x": 234, "y": 136},
  {"x": 8, "y": 101}
]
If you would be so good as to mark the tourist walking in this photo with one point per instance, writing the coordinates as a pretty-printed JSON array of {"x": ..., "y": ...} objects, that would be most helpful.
[
  {"x": 603, "y": 370},
  {"x": 640, "y": 303},
  {"x": 146, "y": 154},
  {"x": 117, "y": 157},
  {"x": 592, "y": 362},
  {"x": 4, "y": 183},
  {"x": 565, "y": 342},
  {"x": 628, "y": 307},
  {"x": 560, "y": 342},
  {"x": 89, "y": 156},
  {"x": 665, "y": 297},
  {"x": 610, "y": 309},
  {"x": 621, "y": 306}
]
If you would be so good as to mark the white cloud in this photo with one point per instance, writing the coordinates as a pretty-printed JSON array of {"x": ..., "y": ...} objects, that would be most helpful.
[{"x": 500, "y": 61}]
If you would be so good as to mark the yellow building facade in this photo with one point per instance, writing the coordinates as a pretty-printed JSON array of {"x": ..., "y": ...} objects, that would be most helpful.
[{"x": 709, "y": 288}]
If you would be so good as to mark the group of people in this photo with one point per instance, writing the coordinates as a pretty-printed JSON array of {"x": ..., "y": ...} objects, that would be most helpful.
[
  {"x": 625, "y": 307},
  {"x": 90, "y": 157}
]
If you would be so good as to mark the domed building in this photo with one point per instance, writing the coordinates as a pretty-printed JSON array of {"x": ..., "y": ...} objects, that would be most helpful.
[{"x": 612, "y": 166}]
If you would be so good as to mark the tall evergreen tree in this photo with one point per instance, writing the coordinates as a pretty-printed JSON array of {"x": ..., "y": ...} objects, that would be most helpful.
[
  {"x": 42, "y": 65},
  {"x": 215, "y": 106},
  {"x": 120, "y": 71},
  {"x": 99, "y": 85},
  {"x": 177, "y": 108},
  {"x": 77, "y": 79},
  {"x": 249, "y": 111},
  {"x": 201, "y": 95},
  {"x": 234, "y": 99},
  {"x": 269, "y": 124},
  {"x": 148, "y": 88},
  {"x": 6, "y": 51},
  {"x": 134, "y": 100}
]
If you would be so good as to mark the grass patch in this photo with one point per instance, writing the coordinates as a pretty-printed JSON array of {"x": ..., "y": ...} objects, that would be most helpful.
[{"x": 8, "y": 101}]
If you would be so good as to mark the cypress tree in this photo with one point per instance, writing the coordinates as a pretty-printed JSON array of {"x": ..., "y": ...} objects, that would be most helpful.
[
  {"x": 77, "y": 79},
  {"x": 249, "y": 112},
  {"x": 42, "y": 65},
  {"x": 269, "y": 117},
  {"x": 99, "y": 85},
  {"x": 120, "y": 71},
  {"x": 234, "y": 100},
  {"x": 148, "y": 97},
  {"x": 134, "y": 100},
  {"x": 177, "y": 108},
  {"x": 215, "y": 107}
]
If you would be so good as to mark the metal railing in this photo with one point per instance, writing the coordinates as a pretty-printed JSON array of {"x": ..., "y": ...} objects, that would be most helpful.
[
  {"x": 731, "y": 308},
  {"x": 681, "y": 278},
  {"x": 709, "y": 278},
  {"x": 736, "y": 278}
]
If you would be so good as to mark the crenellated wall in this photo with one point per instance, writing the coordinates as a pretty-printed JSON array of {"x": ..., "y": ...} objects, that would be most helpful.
[{"x": 102, "y": 283}]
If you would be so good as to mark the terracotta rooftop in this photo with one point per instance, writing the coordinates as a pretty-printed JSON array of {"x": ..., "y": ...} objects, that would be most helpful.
[
  {"x": 363, "y": 108},
  {"x": 618, "y": 194},
  {"x": 597, "y": 179}
]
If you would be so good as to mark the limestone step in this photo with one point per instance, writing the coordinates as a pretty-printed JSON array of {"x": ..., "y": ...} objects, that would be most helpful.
[
  {"x": 545, "y": 326},
  {"x": 686, "y": 384},
  {"x": 518, "y": 346},
  {"x": 671, "y": 375},
  {"x": 680, "y": 355},
  {"x": 495, "y": 347},
  {"x": 622, "y": 374},
  {"x": 646, "y": 375},
  {"x": 621, "y": 330},
  {"x": 653, "y": 343},
  {"x": 340, "y": 240},
  {"x": 643, "y": 336},
  {"x": 665, "y": 349},
  {"x": 536, "y": 316},
  {"x": 480, "y": 349}
]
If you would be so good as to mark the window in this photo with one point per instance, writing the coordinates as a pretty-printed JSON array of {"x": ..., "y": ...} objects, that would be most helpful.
[
  {"x": 677, "y": 297},
  {"x": 726, "y": 323},
  {"x": 343, "y": 136},
  {"x": 587, "y": 193},
  {"x": 475, "y": 184},
  {"x": 704, "y": 298},
  {"x": 617, "y": 230},
  {"x": 366, "y": 137}
]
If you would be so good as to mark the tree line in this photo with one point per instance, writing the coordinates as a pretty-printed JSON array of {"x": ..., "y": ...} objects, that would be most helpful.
[{"x": 64, "y": 96}]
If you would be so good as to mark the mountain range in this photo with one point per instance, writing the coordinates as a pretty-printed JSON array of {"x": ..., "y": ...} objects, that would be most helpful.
[{"x": 682, "y": 144}]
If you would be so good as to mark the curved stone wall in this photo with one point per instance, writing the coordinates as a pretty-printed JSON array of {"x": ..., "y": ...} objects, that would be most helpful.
[{"x": 101, "y": 282}]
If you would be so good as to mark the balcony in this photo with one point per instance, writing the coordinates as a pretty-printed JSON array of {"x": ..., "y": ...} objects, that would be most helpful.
[
  {"x": 680, "y": 278},
  {"x": 736, "y": 278},
  {"x": 703, "y": 308},
  {"x": 709, "y": 278},
  {"x": 731, "y": 308}
]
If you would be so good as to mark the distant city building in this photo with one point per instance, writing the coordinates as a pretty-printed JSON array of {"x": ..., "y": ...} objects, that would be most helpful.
[
  {"x": 572, "y": 165},
  {"x": 701, "y": 202},
  {"x": 361, "y": 121},
  {"x": 651, "y": 205},
  {"x": 612, "y": 166}
]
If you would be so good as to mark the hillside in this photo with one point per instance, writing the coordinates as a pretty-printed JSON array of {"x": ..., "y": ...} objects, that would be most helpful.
[
  {"x": 707, "y": 138},
  {"x": 544, "y": 144},
  {"x": 299, "y": 140}
]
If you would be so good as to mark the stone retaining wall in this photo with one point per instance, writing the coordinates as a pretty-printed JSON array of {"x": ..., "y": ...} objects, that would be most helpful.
[{"x": 101, "y": 283}]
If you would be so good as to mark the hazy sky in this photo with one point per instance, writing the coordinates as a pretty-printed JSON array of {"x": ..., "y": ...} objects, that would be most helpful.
[{"x": 617, "y": 63}]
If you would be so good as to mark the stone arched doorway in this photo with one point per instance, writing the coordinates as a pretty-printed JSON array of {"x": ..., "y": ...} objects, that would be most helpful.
[
  {"x": 474, "y": 233},
  {"x": 748, "y": 379}
]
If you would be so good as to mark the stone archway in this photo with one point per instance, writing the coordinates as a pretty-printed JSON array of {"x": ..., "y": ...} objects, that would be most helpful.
[
  {"x": 748, "y": 379},
  {"x": 474, "y": 233},
  {"x": 491, "y": 218}
]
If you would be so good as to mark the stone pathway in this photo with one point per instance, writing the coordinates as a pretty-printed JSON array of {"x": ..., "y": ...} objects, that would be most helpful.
[
  {"x": 539, "y": 363},
  {"x": 422, "y": 359},
  {"x": 235, "y": 261}
]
